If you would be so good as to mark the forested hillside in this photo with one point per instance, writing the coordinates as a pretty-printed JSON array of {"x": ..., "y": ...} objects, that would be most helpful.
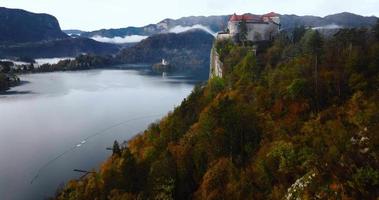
[
  {"x": 298, "y": 121},
  {"x": 20, "y": 26},
  {"x": 69, "y": 47},
  {"x": 185, "y": 51},
  {"x": 7, "y": 77}
]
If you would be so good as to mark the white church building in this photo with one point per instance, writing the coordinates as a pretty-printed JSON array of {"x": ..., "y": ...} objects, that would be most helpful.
[{"x": 259, "y": 27}]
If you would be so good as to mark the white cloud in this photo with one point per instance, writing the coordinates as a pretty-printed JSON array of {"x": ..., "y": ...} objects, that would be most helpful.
[
  {"x": 41, "y": 61},
  {"x": 180, "y": 29},
  {"x": 15, "y": 62},
  {"x": 120, "y": 40},
  {"x": 330, "y": 26}
]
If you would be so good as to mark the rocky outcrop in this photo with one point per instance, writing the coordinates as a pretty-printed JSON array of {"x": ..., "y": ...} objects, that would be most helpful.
[
  {"x": 19, "y": 26},
  {"x": 215, "y": 64},
  {"x": 26, "y": 34}
]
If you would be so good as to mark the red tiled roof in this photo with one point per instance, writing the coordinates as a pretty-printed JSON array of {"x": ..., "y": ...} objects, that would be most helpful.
[
  {"x": 271, "y": 14},
  {"x": 246, "y": 17},
  {"x": 250, "y": 17}
]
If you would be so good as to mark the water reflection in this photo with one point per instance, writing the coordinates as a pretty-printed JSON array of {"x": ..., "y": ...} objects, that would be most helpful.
[{"x": 53, "y": 112}]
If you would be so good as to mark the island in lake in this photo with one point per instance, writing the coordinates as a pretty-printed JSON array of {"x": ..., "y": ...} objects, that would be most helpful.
[{"x": 237, "y": 106}]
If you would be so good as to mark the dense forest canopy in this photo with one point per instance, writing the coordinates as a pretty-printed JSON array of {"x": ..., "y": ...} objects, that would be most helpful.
[
  {"x": 298, "y": 120},
  {"x": 7, "y": 77}
]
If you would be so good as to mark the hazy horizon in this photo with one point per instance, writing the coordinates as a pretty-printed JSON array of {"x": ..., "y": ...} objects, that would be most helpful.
[{"x": 90, "y": 15}]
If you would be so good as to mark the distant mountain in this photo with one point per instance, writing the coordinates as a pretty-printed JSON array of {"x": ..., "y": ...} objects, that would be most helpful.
[
  {"x": 183, "y": 50},
  {"x": 218, "y": 23},
  {"x": 73, "y": 32},
  {"x": 213, "y": 23},
  {"x": 19, "y": 26},
  {"x": 346, "y": 20},
  {"x": 121, "y": 32},
  {"x": 68, "y": 47},
  {"x": 39, "y": 35},
  {"x": 26, "y": 34}
]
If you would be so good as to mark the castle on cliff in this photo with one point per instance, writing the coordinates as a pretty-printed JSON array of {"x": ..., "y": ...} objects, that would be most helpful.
[{"x": 258, "y": 27}]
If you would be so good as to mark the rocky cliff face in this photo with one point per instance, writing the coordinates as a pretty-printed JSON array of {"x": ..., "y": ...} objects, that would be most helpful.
[
  {"x": 19, "y": 26},
  {"x": 215, "y": 64}
]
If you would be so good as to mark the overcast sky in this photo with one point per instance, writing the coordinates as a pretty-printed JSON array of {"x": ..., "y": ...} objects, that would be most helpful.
[{"x": 96, "y": 14}]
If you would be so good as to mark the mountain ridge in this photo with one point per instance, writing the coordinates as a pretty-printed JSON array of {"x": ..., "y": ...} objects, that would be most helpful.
[
  {"x": 218, "y": 22},
  {"x": 21, "y": 26},
  {"x": 34, "y": 35}
]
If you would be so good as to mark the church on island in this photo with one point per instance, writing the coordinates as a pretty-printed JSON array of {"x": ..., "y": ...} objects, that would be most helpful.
[{"x": 258, "y": 27}]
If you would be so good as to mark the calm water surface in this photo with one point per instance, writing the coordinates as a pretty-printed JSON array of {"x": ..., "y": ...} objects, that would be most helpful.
[{"x": 73, "y": 115}]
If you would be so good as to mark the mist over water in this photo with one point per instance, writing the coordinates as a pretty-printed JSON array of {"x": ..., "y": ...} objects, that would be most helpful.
[
  {"x": 120, "y": 40},
  {"x": 329, "y": 26},
  {"x": 53, "y": 112},
  {"x": 51, "y": 61},
  {"x": 138, "y": 38}
]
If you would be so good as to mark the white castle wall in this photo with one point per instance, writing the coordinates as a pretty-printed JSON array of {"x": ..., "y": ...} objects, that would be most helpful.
[{"x": 256, "y": 31}]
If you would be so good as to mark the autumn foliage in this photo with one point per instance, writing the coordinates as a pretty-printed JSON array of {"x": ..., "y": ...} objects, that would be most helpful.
[{"x": 299, "y": 120}]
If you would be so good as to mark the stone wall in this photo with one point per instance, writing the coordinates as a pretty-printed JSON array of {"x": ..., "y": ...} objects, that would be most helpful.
[
  {"x": 216, "y": 64},
  {"x": 256, "y": 31},
  {"x": 261, "y": 31}
]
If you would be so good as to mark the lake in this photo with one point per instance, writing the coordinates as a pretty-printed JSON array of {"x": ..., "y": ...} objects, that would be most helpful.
[{"x": 57, "y": 122}]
